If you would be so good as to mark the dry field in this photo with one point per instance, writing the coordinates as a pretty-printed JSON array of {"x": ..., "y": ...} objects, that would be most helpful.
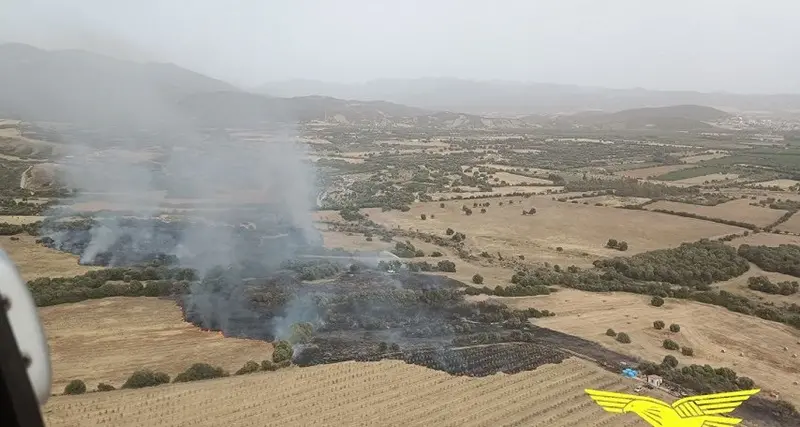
[
  {"x": 386, "y": 393},
  {"x": 106, "y": 340},
  {"x": 615, "y": 201},
  {"x": 653, "y": 171},
  {"x": 735, "y": 210},
  {"x": 581, "y": 230},
  {"x": 792, "y": 225},
  {"x": 707, "y": 329},
  {"x": 34, "y": 260},
  {"x": 20, "y": 219},
  {"x": 513, "y": 179},
  {"x": 316, "y": 158},
  {"x": 499, "y": 190},
  {"x": 738, "y": 285},
  {"x": 699, "y": 180},
  {"x": 508, "y": 168},
  {"x": 782, "y": 183},
  {"x": 768, "y": 239},
  {"x": 703, "y": 157}
]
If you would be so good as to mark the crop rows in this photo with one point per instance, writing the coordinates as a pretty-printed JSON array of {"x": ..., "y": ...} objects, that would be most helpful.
[{"x": 383, "y": 393}]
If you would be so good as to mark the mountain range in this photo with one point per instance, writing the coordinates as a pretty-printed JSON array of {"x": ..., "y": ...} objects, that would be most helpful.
[
  {"x": 75, "y": 86},
  {"x": 509, "y": 98}
]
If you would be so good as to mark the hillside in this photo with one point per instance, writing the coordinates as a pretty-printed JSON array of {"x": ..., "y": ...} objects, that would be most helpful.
[
  {"x": 78, "y": 86},
  {"x": 483, "y": 97},
  {"x": 670, "y": 118}
]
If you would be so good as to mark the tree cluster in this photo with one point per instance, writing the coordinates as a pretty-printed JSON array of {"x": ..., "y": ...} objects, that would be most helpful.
[
  {"x": 780, "y": 259},
  {"x": 763, "y": 284}
]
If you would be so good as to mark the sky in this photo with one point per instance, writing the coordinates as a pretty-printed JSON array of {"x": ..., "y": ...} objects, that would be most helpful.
[{"x": 707, "y": 45}]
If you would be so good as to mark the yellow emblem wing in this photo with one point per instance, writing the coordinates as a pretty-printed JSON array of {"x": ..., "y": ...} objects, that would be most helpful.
[
  {"x": 615, "y": 402},
  {"x": 712, "y": 404}
]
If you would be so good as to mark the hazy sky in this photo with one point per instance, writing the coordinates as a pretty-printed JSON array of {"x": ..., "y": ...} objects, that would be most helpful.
[{"x": 728, "y": 45}]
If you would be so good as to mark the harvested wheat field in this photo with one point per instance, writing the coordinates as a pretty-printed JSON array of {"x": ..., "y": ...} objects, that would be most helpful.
[
  {"x": 386, "y": 393},
  {"x": 782, "y": 183},
  {"x": 580, "y": 230},
  {"x": 703, "y": 157},
  {"x": 34, "y": 260},
  {"x": 767, "y": 239},
  {"x": 498, "y": 190},
  {"x": 106, "y": 340},
  {"x": 707, "y": 329},
  {"x": 652, "y": 171},
  {"x": 615, "y": 201},
  {"x": 736, "y": 210}
]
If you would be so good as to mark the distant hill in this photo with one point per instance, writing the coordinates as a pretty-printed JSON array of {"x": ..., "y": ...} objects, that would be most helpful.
[
  {"x": 77, "y": 86},
  {"x": 671, "y": 118},
  {"x": 484, "y": 97}
]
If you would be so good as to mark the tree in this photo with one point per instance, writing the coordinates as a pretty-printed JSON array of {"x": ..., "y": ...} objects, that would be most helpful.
[
  {"x": 249, "y": 367},
  {"x": 670, "y": 361},
  {"x": 483, "y": 210},
  {"x": 675, "y": 327},
  {"x": 441, "y": 205},
  {"x": 670, "y": 345},
  {"x": 436, "y": 254},
  {"x": 477, "y": 279},
  {"x": 75, "y": 387},
  {"x": 745, "y": 383},
  {"x": 146, "y": 378},
  {"x": 283, "y": 351},
  {"x": 449, "y": 232},
  {"x": 659, "y": 324},
  {"x": 446, "y": 266},
  {"x": 200, "y": 371},
  {"x": 302, "y": 332},
  {"x": 105, "y": 387},
  {"x": 623, "y": 338},
  {"x": 612, "y": 243},
  {"x": 423, "y": 217},
  {"x": 622, "y": 246},
  {"x": 468, "y": 211},
  {"x": 657, "y": 301},
  {"x": 687, "y": 351},
  {"x": 610, "y": 332}
]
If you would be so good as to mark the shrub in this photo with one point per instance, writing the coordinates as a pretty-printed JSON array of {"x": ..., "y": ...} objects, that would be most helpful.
[
  {"x": 449, "y": 232},
  {"x": 670, "y": 345},
  {"x": 612, "y": 243},
  {"x": 436, "y": 254},
  {"x": 670, "y": 361},
  {"x": 477, "y": 279},
  {"x": 283, "y": 351},
  {"x": 423, "y": 217},
  {"x": 75, "y": 387},
  {"x": 249, "y": 367},
  {"x": 105, "y": 387},
  {"x": 687, "y": 351},
  {"x": 623, "y": 338},
  {"x": 268, "y": 365},
  {"x": 441, "y": 205},
  {"x": 675, "y": 327},
  {"x": 745, "y": 383},
  {"x": 446, "y": 266},
  {"x": 659, "y": 324},
  {"x": 200, "y": 371},
  {"x": 146, "y": 378},
  {"x": 419, "y": 253},
  {"x": 657, "y": 301},
  {"x": 622, "y": 246},
  {"x": 302, "y": 332},
  {"x": 610, "y": 332}
]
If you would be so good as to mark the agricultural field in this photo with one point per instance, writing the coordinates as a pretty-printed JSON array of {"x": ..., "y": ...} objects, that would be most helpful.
[
  {"x": 652, "y": 172},
  {"x": 106, "y": 340},
  {"x": 738, "y": 210},
  {"x": 750, "y": 346},
  {"x": 387, "y": 393},
  {"x": 580, "y": 230},
  {"x": 34, "y": 260}
]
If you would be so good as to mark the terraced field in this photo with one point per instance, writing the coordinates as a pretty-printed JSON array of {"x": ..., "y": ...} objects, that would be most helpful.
[{"x": 386, "y": 393}]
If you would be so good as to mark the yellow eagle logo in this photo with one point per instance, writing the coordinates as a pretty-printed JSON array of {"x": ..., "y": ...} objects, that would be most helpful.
[{"x": 694, "y": 411}]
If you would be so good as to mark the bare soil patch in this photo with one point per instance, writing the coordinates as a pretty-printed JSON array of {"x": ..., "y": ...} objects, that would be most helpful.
[{"x": 106, "y": 340}]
